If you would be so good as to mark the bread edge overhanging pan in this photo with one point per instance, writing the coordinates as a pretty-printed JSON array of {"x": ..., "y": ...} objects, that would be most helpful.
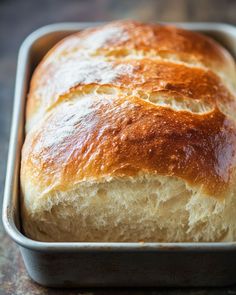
[{"x": 106, "y": 264}]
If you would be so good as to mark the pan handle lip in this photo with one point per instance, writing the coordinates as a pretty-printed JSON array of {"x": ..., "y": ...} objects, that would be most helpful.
[
  {"x": 33, "y": 245},
  {"x": 75, "y": 26}
]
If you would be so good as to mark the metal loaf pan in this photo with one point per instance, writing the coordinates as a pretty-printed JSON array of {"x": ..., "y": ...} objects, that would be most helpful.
[{"x": 106, "y": 264}]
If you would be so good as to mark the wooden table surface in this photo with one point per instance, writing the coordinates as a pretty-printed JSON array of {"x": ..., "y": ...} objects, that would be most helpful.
[{"x": 17, "y": 20}]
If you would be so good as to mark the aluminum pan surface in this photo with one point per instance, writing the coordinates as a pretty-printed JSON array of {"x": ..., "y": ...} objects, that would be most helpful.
[{"x": 223, "y": 32}]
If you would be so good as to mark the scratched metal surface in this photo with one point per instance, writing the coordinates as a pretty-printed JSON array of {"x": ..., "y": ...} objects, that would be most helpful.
[{"x": 17, "y": 20}]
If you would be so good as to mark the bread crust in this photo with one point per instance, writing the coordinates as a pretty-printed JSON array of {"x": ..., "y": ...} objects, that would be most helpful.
[
  {"x": 123, "y": 137},
  {"x": 92, "y": 52},
  {"x": 125, "y": 100}
]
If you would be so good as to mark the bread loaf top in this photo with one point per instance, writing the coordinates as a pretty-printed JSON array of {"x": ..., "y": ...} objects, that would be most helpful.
[{"x": 128, "y": 99}]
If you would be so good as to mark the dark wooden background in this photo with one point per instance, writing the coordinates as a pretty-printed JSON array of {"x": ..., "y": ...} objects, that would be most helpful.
[{"x": 17, "y": 20}]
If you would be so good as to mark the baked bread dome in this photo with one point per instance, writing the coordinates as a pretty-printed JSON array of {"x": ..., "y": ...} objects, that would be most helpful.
[{"x": 131, "y": 136}]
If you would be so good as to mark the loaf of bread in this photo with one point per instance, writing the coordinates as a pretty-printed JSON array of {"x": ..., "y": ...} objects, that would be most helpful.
[{"x": 131, "y": 136}]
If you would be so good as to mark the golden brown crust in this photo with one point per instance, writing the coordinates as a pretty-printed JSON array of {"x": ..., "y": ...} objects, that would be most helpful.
[
  {"x": 96, "y": 136},
  {"x": 122, "y": 37},
  {"x": 143, "y": 75},
  {"x": 127, "y": 136},
  {"x": 100, "y": 53}
]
